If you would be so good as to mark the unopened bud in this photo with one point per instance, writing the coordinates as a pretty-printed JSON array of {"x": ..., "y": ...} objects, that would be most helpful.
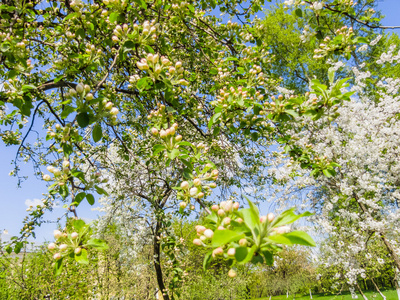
[
  {"x": 57, "y": 234},
  {"x": 154, "y": 131},
  {"x": 197, "y": 242},
  {"x": 232, "y": 273},
  {"x": 231, "y": 252},
  {"x": 243, "y": 242},
  {"x": 208, "y": 233},
  {"x": 185, "y": 185}
]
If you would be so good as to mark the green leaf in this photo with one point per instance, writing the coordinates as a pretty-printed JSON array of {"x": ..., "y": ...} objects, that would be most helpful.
[
  {"x": 158, "y": 148},
  {"x": 81, "y": 258},
  {"x": 97, "y": 133},
  {"x": 18, "y": 246},
  {"x": 293, "y": 238},
  {"x": 299, "y": 12},
  {"x": 83, "y": 119},
  {"x": 222, "y": 237},
  {"x": 58, "y": 265},
  {"x": 113, "y": 17},
  {"x": 67, "y": 111},
  {"x": 245, "y": 255},
  {"x": 100, "y": 191},
  {"x": 269, "y": 258},
  {"x": 79, "y": 224},
  {"x": 144, "y": 83},
  {"x": 98, "y": 244},
  {"x": 174, "y": 153},
  {"x": 288, "y": 217},
  {"x": 300, "y": 238},
  {"x": 90, "y": 199},
  {"x": 8, "y": 249},
  {"x": 241, "y": 253},
  {"x": 28, "y": 87},
  {"x": 207, "y": 259},
  {"x": 331, "y": 75},
  {"x": 213, "y": 119},
  {"x": 249, "y": 218},
  {"x": 79, "y": 197}
]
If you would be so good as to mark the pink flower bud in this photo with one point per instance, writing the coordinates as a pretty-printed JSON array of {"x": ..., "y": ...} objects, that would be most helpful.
[
  {"x": 239, "y": 220},
  {"x": 228, "y": 206},
  {"x": 182, "y": 205},
  {"x": 221, "y": 212},
  {"x": 218, "y": 251},
  {"x": 57, "y": 256},
  {"x": 163, "y": 133},
  {"x": 243, "y": 242},
  {"x": 213, "y": 185},
  {"x": 221, "y": 228},
  {"x": 74, "y": 235},
  {"x": 80, "y": 88},
  {"x": 231, "y": 252},
  {"x": 78, "y": 250},
  {"x": 208, "y": 233},
  {"x": 154, "y": 131},
  {"x": 236, "y": 205},
  {"x": 51, "y": 246},
  {"x": 63, "y": 247},
  {"x": 197, "y": 242},
  {"x": 222, "y": 204},
  {"x": 171, "y": 70},
  {"x": 168, "y": 131},
  {"x": 57, "y": 234},
  {"x": 215, "y": 207},
  {"x": 109, "y": 105},
  {"x": 263, "y": 219},
  {"x": 200, "y": 229},
  {"x": 197, "y": 182},
  {"x": 270, "y": 217},
  {"x": 193, "y": 191},
  {"x": 214, "y": 173},
  {"x": 232, "y": 273},
  {"x": 185, "y": 185},
  {"x": 178, "y": 138},
  {"x": 227, "y": 220},
  {"x": 200, "y": 195},
  {"x": 114, "y": 111},
  {"x": 282, "y": 229}
]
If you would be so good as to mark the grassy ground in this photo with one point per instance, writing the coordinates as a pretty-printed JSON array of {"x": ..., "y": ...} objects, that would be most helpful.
[{"x": 390, "y": 295}]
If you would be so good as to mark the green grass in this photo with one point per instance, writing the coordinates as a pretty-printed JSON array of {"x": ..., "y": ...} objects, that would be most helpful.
[{"x": 390, "y": 295}]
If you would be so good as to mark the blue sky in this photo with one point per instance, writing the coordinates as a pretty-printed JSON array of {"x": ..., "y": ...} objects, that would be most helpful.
[{"x": 14, "y": 201}]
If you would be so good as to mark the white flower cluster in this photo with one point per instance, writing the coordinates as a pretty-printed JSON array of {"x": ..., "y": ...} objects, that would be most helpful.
[{"x": 363, "y": 196}]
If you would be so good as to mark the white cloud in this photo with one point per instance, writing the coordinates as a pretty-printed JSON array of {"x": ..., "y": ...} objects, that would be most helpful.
[{"x": 35, "y": 202}]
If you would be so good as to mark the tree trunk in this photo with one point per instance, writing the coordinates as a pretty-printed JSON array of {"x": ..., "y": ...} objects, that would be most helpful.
[
  {"x": 391, "y": 251},
  {"x": 310, "y": 294},
  {"x": 287, "y": 293},
  {"x": 157, "y": 261},
  {"x": 379, "y": 291},
  {"x": 361, "y": 292}
]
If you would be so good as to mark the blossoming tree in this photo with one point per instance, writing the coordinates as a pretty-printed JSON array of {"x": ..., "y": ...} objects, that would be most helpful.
[{"x": 152, "y": 105}]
